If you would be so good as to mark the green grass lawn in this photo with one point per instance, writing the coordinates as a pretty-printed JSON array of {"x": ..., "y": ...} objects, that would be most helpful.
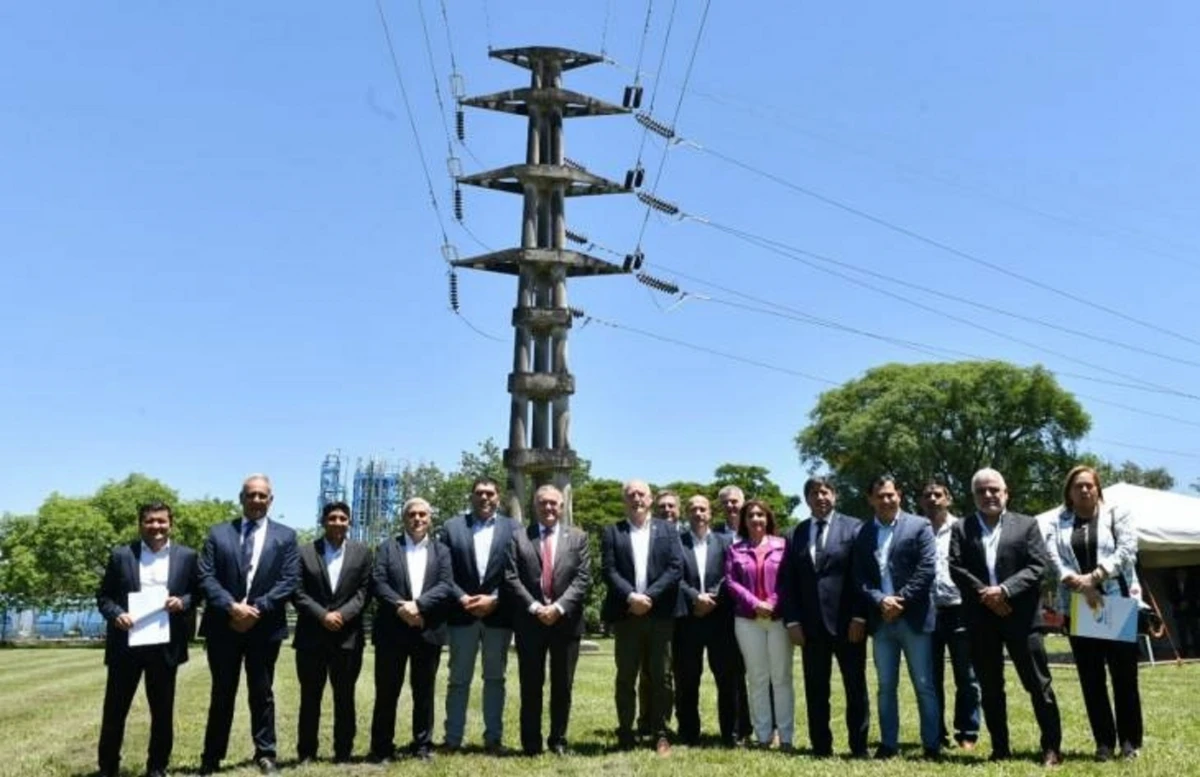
[{"x": 50, "y": 716}]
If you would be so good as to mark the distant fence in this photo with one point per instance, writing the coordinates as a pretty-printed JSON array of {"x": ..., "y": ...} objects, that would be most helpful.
[{"x": 34, "y": 625}]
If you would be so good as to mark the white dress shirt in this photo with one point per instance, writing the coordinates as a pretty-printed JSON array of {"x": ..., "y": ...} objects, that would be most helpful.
[
  {"x": 154, "y": 569},
  {"x": 991, "y": 541},
  {"x": 260, "y": 536},
  {"x": 639, "y": 540},
  {"x": 482, "y": 532},
  {"x": 945, "y": 592},
  {"x": 333, "y": 562},
  {"x": 883, "y": 547},
  {"x": 700, "y": 549},
  {"x": 416, "y": 554}
]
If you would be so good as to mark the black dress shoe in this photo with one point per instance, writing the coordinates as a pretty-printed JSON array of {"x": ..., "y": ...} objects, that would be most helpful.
[
  {"x": 931, "y": 754},
  {"x": 1000, "y": 755},
  {"x": 1052, "y": 758},
  {"x": 1128, "y": 750},
  {"x": 884, "y": 753},
  {"x": 423, "y": 754},
  {"x": 266, "y": 765},
  {"x": 209, "y": 766},
  {"x": 626, "y": 742},
  {"x": 561, "y": 750}
]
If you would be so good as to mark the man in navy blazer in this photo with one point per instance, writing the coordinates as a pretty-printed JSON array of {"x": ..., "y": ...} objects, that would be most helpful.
[
  {"x": 413, "y": 589},
  {"x": 703, "y": 626},
  {"x": 152, "y": 561},
  {"x": 248, "y": 571},
  {"x": 479, "y": 545},
  {"x": 826, "y": 616},
  {"x": 335, "y": 581},
  {"x": 895, "y": 562},
  {"x": 641, "y": 561}
]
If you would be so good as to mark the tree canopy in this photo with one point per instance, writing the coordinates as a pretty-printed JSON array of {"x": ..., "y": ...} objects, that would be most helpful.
[{"x": 914, "y": 421}]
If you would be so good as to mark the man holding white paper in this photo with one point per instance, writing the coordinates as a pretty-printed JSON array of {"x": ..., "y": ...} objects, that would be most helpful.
[{"x": 146, "y": 595}]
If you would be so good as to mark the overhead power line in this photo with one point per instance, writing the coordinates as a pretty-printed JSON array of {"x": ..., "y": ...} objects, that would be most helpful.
[
  {"x": 945, "y": 247},
  {"x": 587, "y": 318}
]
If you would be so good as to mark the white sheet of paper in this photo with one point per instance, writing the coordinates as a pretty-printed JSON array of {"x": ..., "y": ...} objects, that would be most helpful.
[{"x": 151, "y": 622}]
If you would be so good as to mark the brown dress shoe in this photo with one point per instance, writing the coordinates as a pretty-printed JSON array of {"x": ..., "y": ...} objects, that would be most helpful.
[{"x": 663, "y": 747}]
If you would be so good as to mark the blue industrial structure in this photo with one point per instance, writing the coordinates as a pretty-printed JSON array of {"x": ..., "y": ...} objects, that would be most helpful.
[
  {"x": 332, "y": 487},
  {"x": 378, "y": 497}
]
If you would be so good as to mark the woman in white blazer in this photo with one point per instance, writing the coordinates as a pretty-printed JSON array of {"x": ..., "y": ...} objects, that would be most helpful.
[{"x": 1094, "y": 549}]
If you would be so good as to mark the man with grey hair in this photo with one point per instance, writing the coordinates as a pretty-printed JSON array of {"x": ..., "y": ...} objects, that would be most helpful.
[
  {"x": 731, "y": 498},
  {"x": 549, "y": 574},
  {"x": 997, "y": 560},
  {"x": 641, "y": 563},
  {"x": 413, "y": 590}
]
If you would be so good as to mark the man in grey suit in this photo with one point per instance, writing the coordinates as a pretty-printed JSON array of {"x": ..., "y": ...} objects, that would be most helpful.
[
  {"x": 548, "y": 576},
  {"x": 481, "y": 618},
  {"x": 335, "y": 577}
]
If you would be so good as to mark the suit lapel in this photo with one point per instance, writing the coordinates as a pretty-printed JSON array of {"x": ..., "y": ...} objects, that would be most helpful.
[
  {"x": 405, "y": 589},
  {"x": 469, "y": 544},
  {"x": 896, "y": 526},
  {"x": 710, "y": 562},
  {"x": 501, "y": 534},
  {"x": 131, "y": 566},
  {"x": 323, "y": 568}
]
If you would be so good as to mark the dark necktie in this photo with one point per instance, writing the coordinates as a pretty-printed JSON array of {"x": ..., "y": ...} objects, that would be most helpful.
[
  {"x": 547, "y": 568},
  {"x": 248, "y": 529},
  {"x": 818, "y": 546}
]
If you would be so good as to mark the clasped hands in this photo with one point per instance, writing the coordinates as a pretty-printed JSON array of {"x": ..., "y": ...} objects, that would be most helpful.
[
  {"x": 1088, "y": 585},
  {"x": 994, "y": 598},
  {"x": 408, "y": 612},
  {"x": 705, "y": 603},
  {"x": 479, "y": 605}
]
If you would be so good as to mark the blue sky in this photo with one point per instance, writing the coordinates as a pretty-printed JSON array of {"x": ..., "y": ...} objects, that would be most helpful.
[{"x": 219, "y": 256}]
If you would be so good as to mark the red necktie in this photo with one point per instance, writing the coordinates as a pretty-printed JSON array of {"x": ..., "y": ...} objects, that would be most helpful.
[{"x": 547, "y": 569}]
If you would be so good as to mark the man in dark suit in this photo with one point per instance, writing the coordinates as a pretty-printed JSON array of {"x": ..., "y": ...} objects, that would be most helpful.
[
  {"x": 641, "y": 562},
  {"x": 335, "y": 578},
  {"x": 895, "y": 561},
  {"x": 997, "y": 559},
  {"x": 548, "y": 577},
  {"x": 151, "y": 563},
  {"x": 481, "y": 621},
  {"x": 414, "y": 591},
  {"x": 819, "y": 602},
  {"x": 731, "y": 498},
  {"x": 703, "y": 626},
  {"x": 248, "y": 571}
]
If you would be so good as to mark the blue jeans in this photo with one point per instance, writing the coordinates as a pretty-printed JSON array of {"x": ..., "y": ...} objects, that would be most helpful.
[
  {"x": 951, "y": 635},
  {"x": 464, "y": 647},
  {"x": 890, "y": 640}
]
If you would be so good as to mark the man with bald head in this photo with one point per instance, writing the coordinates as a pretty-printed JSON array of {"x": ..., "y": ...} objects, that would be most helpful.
[
  {"x": 997, "y": 559},
  {"x": 702, "y": 626},
  {"x": 548, "y": 576},
  {"x": 641, "y": 560},
  {"x": 249, "y": 568}
]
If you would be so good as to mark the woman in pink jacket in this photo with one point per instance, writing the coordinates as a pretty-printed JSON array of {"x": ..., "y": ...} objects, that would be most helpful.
[{"x": 751, "y": 568}]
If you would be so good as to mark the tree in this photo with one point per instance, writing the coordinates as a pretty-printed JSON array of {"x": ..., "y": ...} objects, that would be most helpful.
[
  {"x": 1129, "y": 472},
  {"x": 71, "y": 542},
  {"x": 597, "y": 504},
  {"x": 755, "y": 484},
  {"x": 194, "y": 518},
  {"x": 947, "y": 419},
  {"x": 118, "y": 501},
  {"x": 22, "y": 580}
]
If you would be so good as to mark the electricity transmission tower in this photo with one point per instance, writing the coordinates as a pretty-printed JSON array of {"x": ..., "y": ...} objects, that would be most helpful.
[{"x": 539, "y": 445}]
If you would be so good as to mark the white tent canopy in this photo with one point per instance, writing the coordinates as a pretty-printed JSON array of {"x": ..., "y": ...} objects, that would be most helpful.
[{"x": 1168, "y": 524}]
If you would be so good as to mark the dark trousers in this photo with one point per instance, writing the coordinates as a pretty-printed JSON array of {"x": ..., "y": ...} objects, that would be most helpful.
[
  {"x": 391, "y": 661},
  {"x": 741, "y": 697},
  {"x": 950, "y": 636},
  {"x": 988, "y": 643},
  {"x": 534, "y": 642},
  {"x": 124, "y": 673},
  {"x": 315, "y": 665},
  {"x": 226, "y": 655},
  {"x": 1092, "y": 656},
  {"x": 819, "y": 650},
  {"x": 644, "y": 692},
  {"x": 642, "y": 639},
  {"x": 693, "y": 638}
]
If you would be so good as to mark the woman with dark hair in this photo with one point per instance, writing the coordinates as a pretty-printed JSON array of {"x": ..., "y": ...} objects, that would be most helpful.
[
  {"x": 1094, "y": 549},
  {"x": 751, "y": 570}
]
